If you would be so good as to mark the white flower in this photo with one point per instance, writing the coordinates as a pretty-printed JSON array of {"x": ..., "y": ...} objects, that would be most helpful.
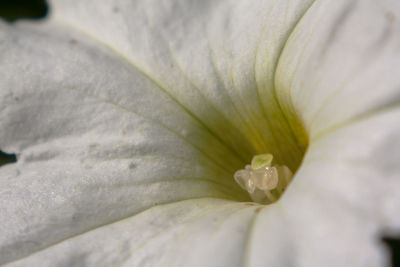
[{"x": 129, "y": 119}]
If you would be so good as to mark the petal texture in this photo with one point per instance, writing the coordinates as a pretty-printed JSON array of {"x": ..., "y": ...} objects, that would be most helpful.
[
  {"x": 338, "y": 75},
  {"x": 96, "y": 141},
  {"x": 341, "y": 64},
  {"x": 159, "y": 237},
  {"x": 111, "y": 117},
  {"x": 216, "y": 58},
  {"x": 116, "y": 107}
]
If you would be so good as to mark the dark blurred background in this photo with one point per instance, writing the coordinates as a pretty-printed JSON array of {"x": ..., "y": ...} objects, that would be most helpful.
[{"x": 12, "y": 10}]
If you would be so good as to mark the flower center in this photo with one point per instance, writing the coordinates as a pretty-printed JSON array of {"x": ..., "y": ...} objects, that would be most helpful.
[{"x": 264, "y": 181}]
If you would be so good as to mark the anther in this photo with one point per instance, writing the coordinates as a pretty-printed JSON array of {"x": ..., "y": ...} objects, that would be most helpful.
[{"x": 262, "y": 180}]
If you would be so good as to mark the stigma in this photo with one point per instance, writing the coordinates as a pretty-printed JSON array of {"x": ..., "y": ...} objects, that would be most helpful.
[{"x": 264, "y": 181}]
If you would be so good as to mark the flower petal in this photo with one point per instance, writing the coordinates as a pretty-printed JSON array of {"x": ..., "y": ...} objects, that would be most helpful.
[
  {"x": 197, "y": 86},
  {"x": 345, "y": 86},
  {"x": 338, "y": 76},
  {"x": 345, "y": 196},
  {"x": 96, "y": 141},
  {"x": 216, "y": 58},
  {"x": 159, "y": 237},
  {"x": 341, "y": 64},
  {"x": 111, "y": 117}
]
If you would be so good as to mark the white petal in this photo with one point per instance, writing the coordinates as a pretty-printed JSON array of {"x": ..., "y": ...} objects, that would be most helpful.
[
  {"x": 342, "y": 201},
  {"x": 339, "y": 204},
  {"x": 110, "y": 117},
  {"x": 344, "y": 83},
  {"x": 341, "y": 64},
  {"x": 159, "y": 237},
  {"x": 217, "y": 61},
  {"x": 339, "y": 74},
  {"x": 96, "y": 140},
  {"x": 216, "y": 57}
]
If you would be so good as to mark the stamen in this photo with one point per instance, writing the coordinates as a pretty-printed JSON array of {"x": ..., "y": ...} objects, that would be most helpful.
[{"x": 264, "y": 182}]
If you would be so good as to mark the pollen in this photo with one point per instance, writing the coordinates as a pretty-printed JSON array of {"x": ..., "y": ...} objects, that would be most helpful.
[{"x": 264, "y": 181}]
